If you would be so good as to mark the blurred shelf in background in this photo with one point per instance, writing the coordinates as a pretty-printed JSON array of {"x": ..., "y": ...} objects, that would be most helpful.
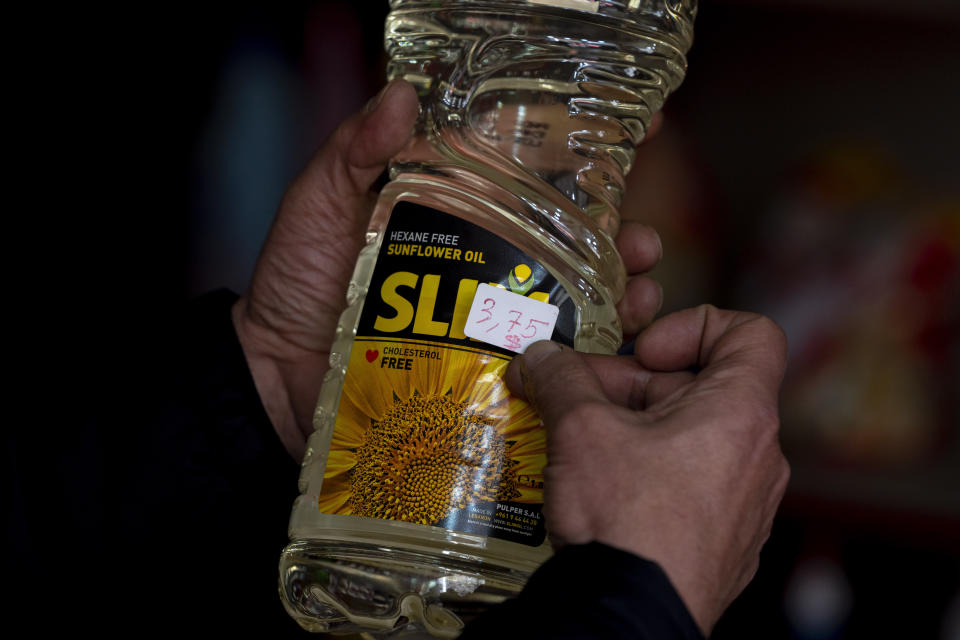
[{"x": 808, "y": 170}]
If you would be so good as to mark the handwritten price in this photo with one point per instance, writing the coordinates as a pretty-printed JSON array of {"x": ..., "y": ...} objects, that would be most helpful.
[{"x": 505, "y": 319}]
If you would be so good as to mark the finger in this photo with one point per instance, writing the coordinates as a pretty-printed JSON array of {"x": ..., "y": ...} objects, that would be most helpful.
[
  {"x": 628, "y": 384},
  {"x": 621, "y": 379},
  {"x": 343, "y": 171},
  {"x": 554, "y": 379},
  {"x": 640, "y": 247},
  {"x": 641, "y": 301},
  {"x": 730, "y": 344},
  {"x": 387, "y": 125},
  {"x": 656, "y": 123},
  {"x": 663, "y": 385}
]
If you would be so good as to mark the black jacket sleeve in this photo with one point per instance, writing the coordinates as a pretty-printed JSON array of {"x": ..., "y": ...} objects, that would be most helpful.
[
  {"x": 207, "y": 486},
  {"x": 591, "y": 591}
]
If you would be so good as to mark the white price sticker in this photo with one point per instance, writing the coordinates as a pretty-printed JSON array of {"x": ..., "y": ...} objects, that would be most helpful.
[{"x": 508, "y": 320}]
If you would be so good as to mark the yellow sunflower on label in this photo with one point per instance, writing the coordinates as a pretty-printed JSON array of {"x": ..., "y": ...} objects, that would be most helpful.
[{"x": 417, "y": 445}]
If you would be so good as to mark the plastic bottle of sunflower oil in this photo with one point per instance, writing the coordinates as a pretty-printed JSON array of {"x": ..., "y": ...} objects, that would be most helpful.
[{"x": 422, "y": 487}]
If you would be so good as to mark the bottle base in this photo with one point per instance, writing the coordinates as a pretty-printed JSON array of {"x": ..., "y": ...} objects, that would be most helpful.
[{"x": 340, "y": 587}]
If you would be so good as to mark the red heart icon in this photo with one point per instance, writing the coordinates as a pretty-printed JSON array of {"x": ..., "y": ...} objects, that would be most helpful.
[{"x": 372, "y": 354}]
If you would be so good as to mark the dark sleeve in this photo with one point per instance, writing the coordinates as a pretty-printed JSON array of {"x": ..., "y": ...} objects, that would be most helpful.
[
  {"x": 207, "y": 485},
  {"x": 591, "y": 591}
]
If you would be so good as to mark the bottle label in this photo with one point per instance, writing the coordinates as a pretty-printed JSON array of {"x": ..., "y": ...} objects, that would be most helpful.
[{"x": 426, "y": 431}]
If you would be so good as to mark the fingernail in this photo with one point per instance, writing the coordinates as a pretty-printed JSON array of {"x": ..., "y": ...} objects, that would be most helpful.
[
  {"x": 375, "y": 101},
  {"x": 537, "y": 352},
  {"x": 659, "y": 304},
  {"x": 534, "y": 355}
]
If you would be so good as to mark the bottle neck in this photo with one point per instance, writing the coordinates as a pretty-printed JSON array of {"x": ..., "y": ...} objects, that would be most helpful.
[
  {"x": 478, "y": 171},
  {"x": 560, "y": 95},
  {"x": 535, "y": 135}
]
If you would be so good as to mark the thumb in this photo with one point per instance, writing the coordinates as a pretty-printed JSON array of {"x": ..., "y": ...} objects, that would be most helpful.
[
  {"x": 554, "y": 379},
  {"x": 358, "y": 150},
  {"x": 386, "y": 125}
]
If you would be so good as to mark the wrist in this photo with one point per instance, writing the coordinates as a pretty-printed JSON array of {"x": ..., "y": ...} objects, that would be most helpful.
[
  {"x": 629, "y": 596},
  {"x": 684, "y": 573},
  {"x": 268, "y": 378}
]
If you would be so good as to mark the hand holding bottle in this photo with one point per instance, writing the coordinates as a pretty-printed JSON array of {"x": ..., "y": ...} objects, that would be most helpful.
[
  {"x": 287, "y": 319},
  {"x": 645, "y": 455}
]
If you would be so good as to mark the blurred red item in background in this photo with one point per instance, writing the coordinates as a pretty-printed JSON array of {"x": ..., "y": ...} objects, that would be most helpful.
[{"x": 862, "y": 270}]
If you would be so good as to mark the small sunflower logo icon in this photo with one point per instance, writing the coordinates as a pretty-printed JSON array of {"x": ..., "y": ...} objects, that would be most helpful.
[{"x": 520, "y": 279}]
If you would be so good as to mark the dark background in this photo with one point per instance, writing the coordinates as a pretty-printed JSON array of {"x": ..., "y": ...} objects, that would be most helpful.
[{"x": 807, "y": 170}]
